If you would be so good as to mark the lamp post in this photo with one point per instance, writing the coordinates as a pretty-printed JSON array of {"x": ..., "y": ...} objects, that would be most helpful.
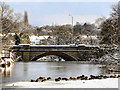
[{"x": 72, "y": 29}]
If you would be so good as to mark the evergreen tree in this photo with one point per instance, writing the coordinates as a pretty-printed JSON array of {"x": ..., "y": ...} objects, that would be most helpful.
[
  {"x": 17, "y": 39},
  {"x": 110, "y": 28}
]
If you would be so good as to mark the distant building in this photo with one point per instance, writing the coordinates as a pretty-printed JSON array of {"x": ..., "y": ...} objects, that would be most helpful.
[{"x": 77, "y": 23}]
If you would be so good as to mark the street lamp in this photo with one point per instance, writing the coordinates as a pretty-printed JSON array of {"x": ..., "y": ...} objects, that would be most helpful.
[
  {"x": 72, "y": 18},
  {"x": 72, "y": 29}
]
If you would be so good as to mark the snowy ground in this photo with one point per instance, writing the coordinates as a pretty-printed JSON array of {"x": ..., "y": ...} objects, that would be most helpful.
[{"x": 103, "y": 83}]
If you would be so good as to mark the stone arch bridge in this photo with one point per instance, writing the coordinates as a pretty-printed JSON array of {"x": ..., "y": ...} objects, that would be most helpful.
[{"x": 67, "y": 52}]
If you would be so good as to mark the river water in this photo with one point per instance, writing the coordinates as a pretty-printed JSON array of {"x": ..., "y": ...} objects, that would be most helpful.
[{"x": 21, "y": 71}]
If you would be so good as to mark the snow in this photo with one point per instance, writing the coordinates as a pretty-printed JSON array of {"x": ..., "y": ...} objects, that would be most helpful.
[
  {"x": 52, "y": 45},
  {"x": 7, "y": 69},
  {"x": 84, "y": 36},
  {"x": 103, "y": 83},
  {"x": 116, "y": 55},
  {"x": 111, "y": 57},
  {"x": 88, "y": 37},
  {"x": 1, "y": 35},
  {"x": 36, "y": 39},
  {"x": 11, "y": 34},
  {"x": 10, "y": 60},
  {"x": 70, "y": 45},
  {"x": 2, "y": 61},
  {"x": 97, "y": 46},
  {"x": 20, "y": 45}
]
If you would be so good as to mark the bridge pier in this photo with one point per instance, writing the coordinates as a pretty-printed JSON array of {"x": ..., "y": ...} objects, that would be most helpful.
[{"x": 26, "y": 56}]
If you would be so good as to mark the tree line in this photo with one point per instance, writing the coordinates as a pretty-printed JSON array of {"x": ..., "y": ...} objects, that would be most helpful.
[{"x": 107, "y": 31}]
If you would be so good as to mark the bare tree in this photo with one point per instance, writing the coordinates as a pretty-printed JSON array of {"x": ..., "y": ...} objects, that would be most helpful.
[
  {"x": 100, "y": 20},
  {"x": 8, "y": 20},
  {"x": 60, "y": 35}
]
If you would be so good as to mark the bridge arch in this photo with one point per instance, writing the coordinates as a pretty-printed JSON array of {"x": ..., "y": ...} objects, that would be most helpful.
[{"x": 66, "y": 57}]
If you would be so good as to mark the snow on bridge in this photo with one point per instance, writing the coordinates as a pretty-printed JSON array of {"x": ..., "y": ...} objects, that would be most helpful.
[{"x": 70, "y": 45}]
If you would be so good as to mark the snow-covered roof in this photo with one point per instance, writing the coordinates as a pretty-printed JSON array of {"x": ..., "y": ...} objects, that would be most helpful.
[
  {"x": 34, "y": 38},
  {"x": 85, "y": 36}
]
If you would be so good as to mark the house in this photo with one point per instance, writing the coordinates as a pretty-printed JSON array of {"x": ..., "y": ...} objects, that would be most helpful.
[{"x": 37, "y": 39}]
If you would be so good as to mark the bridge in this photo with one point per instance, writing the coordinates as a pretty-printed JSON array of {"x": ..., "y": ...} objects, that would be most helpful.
[{"x": 67, "y": 52}]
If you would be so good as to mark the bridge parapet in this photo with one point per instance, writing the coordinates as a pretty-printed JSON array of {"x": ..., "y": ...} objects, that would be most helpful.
[{"x": 28, "y": 47}]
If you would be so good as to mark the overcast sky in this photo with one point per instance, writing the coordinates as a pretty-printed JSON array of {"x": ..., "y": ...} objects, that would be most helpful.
[{"x": 48, "y": 13}]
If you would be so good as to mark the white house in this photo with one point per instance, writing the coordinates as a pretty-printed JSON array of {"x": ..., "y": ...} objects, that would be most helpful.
[{"x": 36, "y": 39}]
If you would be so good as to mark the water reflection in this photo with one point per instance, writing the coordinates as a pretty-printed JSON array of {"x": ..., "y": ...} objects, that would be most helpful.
[
  {"x": 32, "y": 70},
  {"x": 25, "y": 69},
  {"x": 6, "y": 72}
]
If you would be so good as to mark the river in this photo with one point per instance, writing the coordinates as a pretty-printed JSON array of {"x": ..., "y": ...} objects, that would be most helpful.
[{"x": 21, "y": 71}]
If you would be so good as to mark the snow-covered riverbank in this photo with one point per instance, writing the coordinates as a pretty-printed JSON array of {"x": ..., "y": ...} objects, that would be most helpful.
[{"x": 103, "y": 83}]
